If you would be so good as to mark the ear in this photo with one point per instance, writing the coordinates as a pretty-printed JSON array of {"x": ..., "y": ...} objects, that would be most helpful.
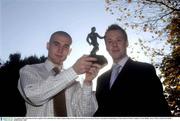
[
  {"x": 47, "y": 46},
  {"x": 106, "y": 46},
  {"x": 127, "y": 43},
  {"x": 69, "y": 51}
]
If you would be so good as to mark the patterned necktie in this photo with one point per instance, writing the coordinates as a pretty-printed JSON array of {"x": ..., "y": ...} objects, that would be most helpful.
[
  {"x": 59, "y": 100},
  {"x": 114, "y": 74}
]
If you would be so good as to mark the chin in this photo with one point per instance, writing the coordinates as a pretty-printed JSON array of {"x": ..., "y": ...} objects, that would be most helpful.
[
  {"x": 57, "y": 62},
  {"x": 116, "y": 56}
]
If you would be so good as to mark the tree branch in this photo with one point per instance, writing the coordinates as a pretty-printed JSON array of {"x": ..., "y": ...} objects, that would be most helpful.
[{"x": 162, "y": 3}]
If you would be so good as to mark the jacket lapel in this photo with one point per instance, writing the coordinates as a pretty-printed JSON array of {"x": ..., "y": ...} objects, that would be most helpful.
[
  {"x": 121, "y": 78},
  {"x": 107, "y": 82}
]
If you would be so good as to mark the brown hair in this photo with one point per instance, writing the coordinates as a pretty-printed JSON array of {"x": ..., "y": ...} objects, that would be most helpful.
[{"x": 117, "y": 27}]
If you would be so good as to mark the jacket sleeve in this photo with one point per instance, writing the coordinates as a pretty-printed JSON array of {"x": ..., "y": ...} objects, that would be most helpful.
[{"x": 156, "y": 95}]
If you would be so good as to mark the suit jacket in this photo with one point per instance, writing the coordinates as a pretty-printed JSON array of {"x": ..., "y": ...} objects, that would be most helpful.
[{"x": 137, "y": 91}]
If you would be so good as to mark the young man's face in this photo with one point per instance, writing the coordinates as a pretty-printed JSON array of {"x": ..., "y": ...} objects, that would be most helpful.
[
  {"x": 116, "y": 44},
  {"x": 58, "y": 49}
]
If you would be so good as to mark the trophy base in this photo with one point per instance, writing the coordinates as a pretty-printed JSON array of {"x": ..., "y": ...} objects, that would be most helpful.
[{"x": 100, "y": 59}]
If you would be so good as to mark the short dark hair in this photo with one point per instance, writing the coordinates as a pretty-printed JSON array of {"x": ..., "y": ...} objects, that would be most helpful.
[
  {"x": 60, "y": 33},
  {"x": 117, "y": 27}
]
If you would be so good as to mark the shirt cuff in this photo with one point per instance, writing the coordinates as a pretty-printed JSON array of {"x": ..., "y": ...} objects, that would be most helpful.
[{"x": 87, "y": 89}]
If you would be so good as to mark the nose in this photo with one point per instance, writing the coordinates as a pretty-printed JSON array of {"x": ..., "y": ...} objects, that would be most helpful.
[
  {"x": 60, "y": 49},
  {"x": 114, "y": 44}
]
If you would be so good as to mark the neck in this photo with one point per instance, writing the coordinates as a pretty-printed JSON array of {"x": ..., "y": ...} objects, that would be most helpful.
[
  {"x": 55, "y": 64},
  {"x": 119, "y": 59}
]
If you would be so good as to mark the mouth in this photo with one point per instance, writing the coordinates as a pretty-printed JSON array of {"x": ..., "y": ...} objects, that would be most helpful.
[
  {"x": 115, "y": 50},
  {"x": 58, "y": 56}
]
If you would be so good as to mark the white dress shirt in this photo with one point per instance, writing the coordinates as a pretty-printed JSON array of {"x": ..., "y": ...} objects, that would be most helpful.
[
  {"x": 121, "y": 62},
  {"x": 37, "y": 85}
]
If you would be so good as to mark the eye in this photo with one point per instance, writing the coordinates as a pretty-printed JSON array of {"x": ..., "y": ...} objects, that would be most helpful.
[
  {"x": 66, "y": 46},
  {"x": 109, "y": 41},
  {"x": 55, "y": 43},
  {"x": 119, "y": 40}
]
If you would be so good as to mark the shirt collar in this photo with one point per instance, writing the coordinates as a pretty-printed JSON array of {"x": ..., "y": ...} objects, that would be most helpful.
[
  {"x": 50, "y": 65},
  {"x": 122, "y": 62}
]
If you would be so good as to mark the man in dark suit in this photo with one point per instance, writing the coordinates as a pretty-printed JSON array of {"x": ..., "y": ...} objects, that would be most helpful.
[{"x": 129, "y": 88}]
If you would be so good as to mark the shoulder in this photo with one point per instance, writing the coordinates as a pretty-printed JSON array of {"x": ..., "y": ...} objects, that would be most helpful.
[
  {"x": 136, "y": 67},
  {"x": 139, "y": 65},
  {"x": 32, "y": 67},
  {"x": 105, "y": 73},
  {"x": 105, "y": 76}
]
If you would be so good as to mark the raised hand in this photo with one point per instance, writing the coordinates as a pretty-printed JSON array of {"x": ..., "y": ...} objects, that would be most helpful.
[
  {"x": 83, "y": 64},
  {"x": 92, "y": 73}
]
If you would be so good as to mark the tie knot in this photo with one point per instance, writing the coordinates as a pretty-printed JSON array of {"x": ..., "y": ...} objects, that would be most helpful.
[
  {"x": 116, "y": 67},
  {"x": 56, "y": 70}
]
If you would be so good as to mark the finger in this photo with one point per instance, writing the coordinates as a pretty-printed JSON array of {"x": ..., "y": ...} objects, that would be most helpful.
[
  {"x": 87, "y": 63},
  {"x": 86, "y": 66},
  {"x": 90, "y": 59},
  {"x": 84, "y": 56},
  {"x": 99, "y": 66},
  {"x": 96, "y": 65},
  {"x": 94, "y": 71}
]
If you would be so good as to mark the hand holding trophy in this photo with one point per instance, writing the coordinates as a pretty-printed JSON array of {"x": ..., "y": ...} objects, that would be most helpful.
[{"x": 92, "y": 40}]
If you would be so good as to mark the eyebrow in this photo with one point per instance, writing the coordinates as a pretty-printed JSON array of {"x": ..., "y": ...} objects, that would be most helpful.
[{"x": 56, "y": 42}]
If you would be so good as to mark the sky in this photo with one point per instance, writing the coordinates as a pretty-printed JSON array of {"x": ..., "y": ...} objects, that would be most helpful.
[{"x": 26, "y": 25}]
